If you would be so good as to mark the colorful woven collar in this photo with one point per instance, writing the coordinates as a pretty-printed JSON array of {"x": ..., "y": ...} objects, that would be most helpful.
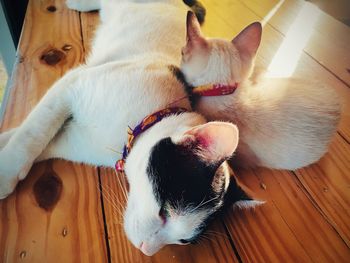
[
  {"x": 144, "y": 125},
  {"x": 215, "y": 90}
]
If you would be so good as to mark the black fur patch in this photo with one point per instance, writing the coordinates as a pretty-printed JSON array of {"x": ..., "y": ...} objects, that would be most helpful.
[
  {"x": 178, "y": 175},
  {"x": 180, "y": 178},
  {"x": 187, "y": 87},
  {"x": 198, "y": 9}
]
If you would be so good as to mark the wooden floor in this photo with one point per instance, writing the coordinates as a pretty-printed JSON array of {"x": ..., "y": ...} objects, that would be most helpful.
[{"x": 306, "y": 217}]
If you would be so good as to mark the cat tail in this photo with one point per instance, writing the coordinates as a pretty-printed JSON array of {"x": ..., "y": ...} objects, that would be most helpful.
[{"x": 197, "y": 8}]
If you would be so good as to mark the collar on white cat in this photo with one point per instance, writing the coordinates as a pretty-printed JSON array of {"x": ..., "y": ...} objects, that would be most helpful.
[
  {"x": 144, "y": 125},
  {"x": 211, "y": 90}
]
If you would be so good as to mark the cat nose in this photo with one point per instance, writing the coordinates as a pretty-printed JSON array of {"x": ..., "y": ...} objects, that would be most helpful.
[
  {"x": 144, "y": 249},
  {"x": 148, "y": 250}
]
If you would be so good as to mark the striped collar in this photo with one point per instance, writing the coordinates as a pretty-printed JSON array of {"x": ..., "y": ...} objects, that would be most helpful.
[
  {"x": 144, "y": 125},
  {"x": 212, "y": 90}
]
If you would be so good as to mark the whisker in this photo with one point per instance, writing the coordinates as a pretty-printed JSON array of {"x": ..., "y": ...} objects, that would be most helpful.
[
  {"x": 217, "y": 233},
  {"x": 116, "y": 213},
  {"x": 208, "y": 238},
  {"x": 112, "y": 150},
  {"x": 122, "y": 186},
  {"x": 197, "y": 205},
  {"x": 114, "y": 209},
  {"x": 115, "y": 199},
  {"x": 114, "y": 194},
  {"x": 200, "y": 205},
  {"x": 109, "y": 198}
]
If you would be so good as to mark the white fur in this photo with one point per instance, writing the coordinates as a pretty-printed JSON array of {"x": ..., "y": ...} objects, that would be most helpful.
[
  {"x": 283, "y": 123},
  {"x": 125, "y": 79},
  {"x": 141, "y": 220}
]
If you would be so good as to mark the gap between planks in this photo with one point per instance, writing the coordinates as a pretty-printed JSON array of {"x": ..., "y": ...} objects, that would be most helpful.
[
  {"x": 319, "y": 209},
  {"x": 105, "y": 228}
]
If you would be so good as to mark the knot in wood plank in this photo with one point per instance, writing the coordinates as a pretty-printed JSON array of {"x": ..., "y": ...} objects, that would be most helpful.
[
  {"x": 47, "y": 189},
  {"x": 23, "y": 254},
  {"x": 52, "y": 57},
  {"x": 51, "y": 8}
]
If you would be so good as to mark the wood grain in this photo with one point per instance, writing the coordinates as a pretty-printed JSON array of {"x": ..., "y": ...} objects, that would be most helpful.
[
  {"x": 89, "y": 23},
  {"x": 287, "y": 228},
  {"x": 70, "y": 231},
  {"x": 67, "y": 227},
  {"x": 328, "y": 184},
  {"x": 305, "y": 219}
]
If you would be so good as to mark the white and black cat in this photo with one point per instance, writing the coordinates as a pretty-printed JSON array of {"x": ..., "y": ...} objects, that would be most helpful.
[{"x": 176, "y": 169}]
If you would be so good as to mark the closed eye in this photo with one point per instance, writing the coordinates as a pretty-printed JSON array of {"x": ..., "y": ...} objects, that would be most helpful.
[{"x": 184, "y": 241}]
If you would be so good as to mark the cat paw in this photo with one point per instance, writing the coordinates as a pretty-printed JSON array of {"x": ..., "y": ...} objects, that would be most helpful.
[
  {"x": 83, "y": 5},
  {"x": 7, "y": 185},
  {"x": 10, "y": 172}
]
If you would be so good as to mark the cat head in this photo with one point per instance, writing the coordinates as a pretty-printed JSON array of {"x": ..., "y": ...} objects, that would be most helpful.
[
  {"x": 179, "y": 181},
  {"x": 211, "y": 61}
]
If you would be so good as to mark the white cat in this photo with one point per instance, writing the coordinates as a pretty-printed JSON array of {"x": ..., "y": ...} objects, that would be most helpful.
[
  {"x": 284, "y": 123},
  {"x": 178, "y": 176}
]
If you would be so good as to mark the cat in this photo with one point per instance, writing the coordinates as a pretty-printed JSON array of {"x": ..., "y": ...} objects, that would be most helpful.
[
  {"x": 177, "y": 170},
  {"x": 284, "y": 123}
]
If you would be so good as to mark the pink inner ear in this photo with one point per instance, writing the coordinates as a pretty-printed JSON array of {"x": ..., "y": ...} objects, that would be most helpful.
[
  {"x": 248, "y": 40},
  {"x": 193, "y": 28},
  {"x": 216, "y": 140}
]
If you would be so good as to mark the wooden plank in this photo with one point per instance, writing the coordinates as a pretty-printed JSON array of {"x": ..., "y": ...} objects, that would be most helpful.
[
  {"x": 333, "y": 55},
  {"x": 287, "y": 228},
  {"x": 89, "y": 23},
  {"x": 58, "y": 44},
  {"x": 215, "y": 247},
  {"x": 66, "y": 231},
  {"x": 257, "y": 235},
  {"x": 71, "y": 229},
  {"x": 339, "y": 9},
  {"x": 328, "y": 184}
]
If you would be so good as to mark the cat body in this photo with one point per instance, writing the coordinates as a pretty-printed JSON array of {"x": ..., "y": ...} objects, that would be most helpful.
[
  {"x": 284, "y": 123},
  {"x": 84, "y": 118}
]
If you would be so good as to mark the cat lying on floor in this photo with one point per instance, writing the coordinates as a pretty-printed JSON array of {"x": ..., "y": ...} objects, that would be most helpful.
[
  {"x": 87, "y": 111},
  {"x": 177, "y": 171},
  {"x": 283, "y": 123}
]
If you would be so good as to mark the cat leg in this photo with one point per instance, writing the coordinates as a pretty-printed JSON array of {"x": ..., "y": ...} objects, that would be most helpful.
[
  {"x": 73, "y": 143},
  {"x": 84, "y": 5},
  {"x": 34, "y": 134},
  {"x": 5, "y": 137}
]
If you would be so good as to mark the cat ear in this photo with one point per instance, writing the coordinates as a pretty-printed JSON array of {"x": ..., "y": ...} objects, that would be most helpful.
[
  {"x": 238, "y": 195},
  {"x": 248, "y": 40},
  {"x": 194, "y": 35},
  {"x": 213, "y": 142}
]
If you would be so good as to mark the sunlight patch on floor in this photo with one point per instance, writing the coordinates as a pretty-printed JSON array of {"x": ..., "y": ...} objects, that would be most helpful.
[
  {"x": 272, "y": 12},
  {"x": 286, "y": 58}
]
